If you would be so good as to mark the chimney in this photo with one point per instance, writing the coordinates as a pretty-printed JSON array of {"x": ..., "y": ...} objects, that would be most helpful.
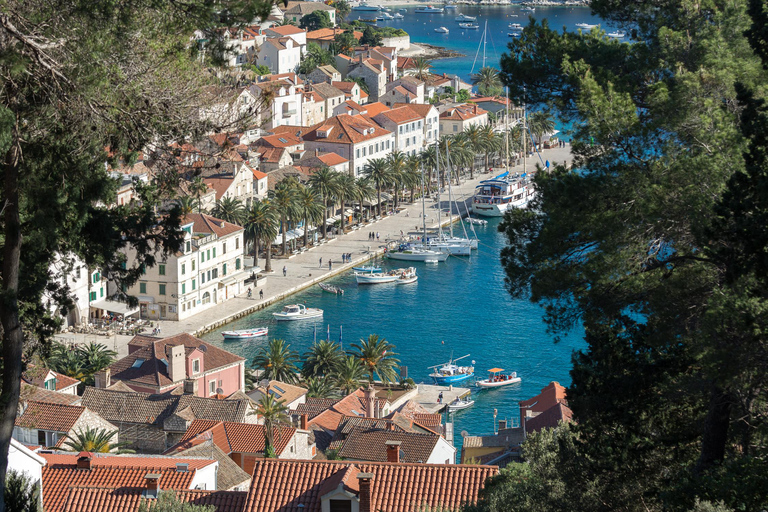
[
  {"x": 365, "y": 497},
  {"x": 84, "y": 460},
  {"x": 303, "y": 423},
  {"x": 502, "y": 424},
  {"x": 153, "y": 484},
  {"x": 393, "y": 451},
  {"x": 317, "y": 152},
  {"x": 176, "y": 369},
  {"x": 370, "y": 401},
  {"x": 103, "y": 379}
]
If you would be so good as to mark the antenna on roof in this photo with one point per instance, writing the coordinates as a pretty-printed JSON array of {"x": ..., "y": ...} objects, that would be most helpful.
[
  {"x": 219, "y": 391},
  {"x": 203, "y": 348}
]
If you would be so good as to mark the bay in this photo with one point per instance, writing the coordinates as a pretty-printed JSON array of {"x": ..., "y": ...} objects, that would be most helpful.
[{"x": 459, "y": 306}]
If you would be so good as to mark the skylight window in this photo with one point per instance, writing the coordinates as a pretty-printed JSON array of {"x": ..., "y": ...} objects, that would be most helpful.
[
  {"x": 281, "y": 139},
  {"x": 137, "y": 363}
]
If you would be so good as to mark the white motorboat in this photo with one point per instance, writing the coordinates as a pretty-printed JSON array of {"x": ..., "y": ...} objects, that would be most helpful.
[
  {"x": 494, "y": 197},
  {"x": 364, "y": 7},
  {"x": 516, "y": 26},
  {"x": 496, "y": 378},
  {"x": 402, "y": 10},
  {"x": 385, "y": 16},
  {"x": 429, "y": 10},
  {"x": 374, "y": 278},
  {"x": 513, "y": 34},
  {"x": 398, "y": 16},
  {"x": 459, "y": 404},
  {"x": 464, "y": 17},
  {"x": 245, "y": 334},
  {"x": 331, "y": 288},
  {"x": 450, "y": 373},
  {"x": 527, "y": 9},
  {"x": 617, "y": 35},
  {"x": 585, "y": 25},
  {"x": 477, "y": 222},
  {"x": 450, "y": 6},
  {"x": 442, "y": 30},
  {"x": 367, "y": 269},
  {"x": 407, "y": 276},
  {"x": 406, "y": 252},
  {"x": 298, "y": 312},
  {"x": 469, "y": 26}
]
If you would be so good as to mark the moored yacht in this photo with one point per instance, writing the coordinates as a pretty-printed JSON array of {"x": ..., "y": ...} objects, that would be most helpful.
[
  {"x": 407, "y": 252},
  {"x": 364, "y": 7},
  {"x": 428, "y": 10},
  {"x": 495, "y": 196},
  {"x": 464, "y": 17},
  {"x": 441, "y": 30}
]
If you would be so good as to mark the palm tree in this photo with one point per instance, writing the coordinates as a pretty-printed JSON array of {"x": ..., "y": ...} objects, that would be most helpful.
[
  {"x": 66, "y": 360},
  {"x": 377, "y": 356},
  {"x": 348, "y": 373},
  {"x": 283, "y": 199},
  {"x": 347, "y": 191},
  {"x": 94, "y": 441},
  {"x": 321, "y": 358},
  {"x": 186, "y": 205},
  {"x": 309, "y": 208},
  {"x": 324, "y": 182},
  {"x": 429, "y": 157},
  {"x": 396, "y": 162},
  {"x": 487, "y": 80},
  {"x": 275, "y": 414},
  {"x": 277, "y": 361},
  {"x": 94, "y": 358},
  {"x": 261, "y": 226},
  {"x": 319, "y": 387},
  {"x": 412, "y": 177},
  {"x": 490, "y": 142},
  {"x": 230, "y": 210},
  {"x": 422, "y": 67},
  {"x": 365, "y": 190},
  {"x": 378, "y": 171},
  {"x": 539, "y": 123},
  {"x": 474, "y": 142},
  {"x": 198, "y": 187},
  {"x": 342, "y": 10}
]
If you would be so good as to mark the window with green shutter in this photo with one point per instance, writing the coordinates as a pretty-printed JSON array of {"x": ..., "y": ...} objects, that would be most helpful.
[
  {"x": 237, "y": 264},
  {"x": 101, "y": 292},
  {"x": 161, "y": 269},
  {"x": 214, "y": 252},
  {"x": 142, "y": 287},
  {"x": 224, "y": 269},
  {"x": 183, "y": 268},
  {"x": 162, "y": 289},
  {"x": 92, "y": 295},
  {"x": 193, "y": 284},
  {"x": 183, "y": 288}
]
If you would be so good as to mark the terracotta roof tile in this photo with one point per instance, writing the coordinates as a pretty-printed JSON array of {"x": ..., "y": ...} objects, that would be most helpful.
[
  {"x": 369, "y": 445},
  {"x": 110, "y": 471},
  {"x": 47, "y": 416},
  {"x": 232, "y": 437},
  {"x": 34, "y": 393},
  {"x": 375, "y": 108},
  {"x": 346, "y": 129},
  {"x": 95, "y": 499},
  {"x": 462, "y": 112},
  {"x": 422, "y": 109},
  {"x": 328, "y": 34},
  {"x": 228, "y": 475},
  {"x": 306, "y": 7},
  {"x": 399, "y": 115},
  {"x": 285, "y": 30},
  {"x": 314, "y": 406},
  {"x": 281, "y": 390},
  {"x": 153, "y": 371},
  {"x": 204, "y": 223},
  {"x": 327, "y": 90},
  {"x": 280, "y": 485},
  {"x": 36, "y": 375},
  {"x": 280, "y": 140}
]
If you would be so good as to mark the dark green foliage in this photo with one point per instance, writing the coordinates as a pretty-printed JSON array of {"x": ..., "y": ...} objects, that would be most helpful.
[
  {"x": 343, "y": 42},
  {"x": 359, "y": 81},
  {"x": 371, "y": 37},
  {"x": 21, "y": 495},
  {"x": 314, "y": 58},
  {"x": 316, "y": 20}
]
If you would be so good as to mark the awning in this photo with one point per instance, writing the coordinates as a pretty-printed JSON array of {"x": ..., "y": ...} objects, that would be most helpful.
[
  {"x": 227, "y": 281},
  {"x": 332, "y": 220},
  {"x": 112, "y": 306},
  {"x": 290, "y": 235}
]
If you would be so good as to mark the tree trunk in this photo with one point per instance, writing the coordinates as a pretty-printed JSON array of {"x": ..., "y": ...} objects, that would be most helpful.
[
  {"x": 268, "y": 258},
  {"x": 306, "y": 235},
  {"x": 378, "y": 198},
  {"x": 284, "y": 227},
  {"x": 716, "y": 425},
  {"x": 256, "y": 251},
  {"x": 342, "y": 217},
  {"x": 472, "y": 169},
  {"x": 325, "y": 220},
  {"x": 13, "y": 337}
]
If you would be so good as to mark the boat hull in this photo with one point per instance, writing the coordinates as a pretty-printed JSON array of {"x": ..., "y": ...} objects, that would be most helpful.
[
  {"x": 460, "y": 406},
  {"x": 490, "y": 210},
  {"x": 485, "y": 383},
  {"x": 408, "y": 280},
  {"x": 443, "y": 380},
  {"x": 374, "y": 278},
  {"x": 245, "y": 334},
  {"x": 434, "y": 257},
  {"x": 281, "y": 317}
]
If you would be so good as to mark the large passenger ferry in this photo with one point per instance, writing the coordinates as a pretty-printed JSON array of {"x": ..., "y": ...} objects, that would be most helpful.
[{"x": 495, "y": 196}]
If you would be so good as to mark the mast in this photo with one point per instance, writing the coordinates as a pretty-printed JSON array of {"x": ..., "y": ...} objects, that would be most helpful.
[
  {"x": 506, "y": 133},
  {"x": 450, "y": 197},
  {"x": 423, "y": 208},
  {"x": 525, "y": 139},
  {"x": 485, "y": 39},
  {"x": 437, "y": 162}
]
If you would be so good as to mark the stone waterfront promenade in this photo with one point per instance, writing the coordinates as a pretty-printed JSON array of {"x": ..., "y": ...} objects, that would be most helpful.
[{"x": 304, "y": 269}]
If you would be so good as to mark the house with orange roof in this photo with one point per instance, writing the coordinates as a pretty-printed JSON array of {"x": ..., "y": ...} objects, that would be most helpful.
[
  {"x": 350, "y": 107},
  {"x": 546, "y": 410},
  {"x": 244, "y": 443},
  {"x": 404, "y": 90},
  {"x": 324, "y": 37},
  {"x": 298, "y": 35},
  {"x": 280, "y": 100},
  {"x": 242, "y": 43},
  {"x": 407, "y": 126},
  {"x": 259, "y": 184},
  {"x": 352, "y": 91},
  {"x": 372, "y": 71},
  {"x": 327, "y": 74},
  {"x": 354, "y": 138},
  {"x": 96, "y": 499},
  {"x": 320, "y": 486},
  {"x": 184, "y": 362},
  {"x": 312, "y": 162},
  {"x": 48, "y": 424},
  {"x": 387, "y": 56},
  {"x": 343, "y": 63},
  {"x": 208, "y": 269},
  {"x": 331, "y": 96},
  {"x": 431, "y": 118},
  {"x": 457, "y": 118},
  {"x": 232, "y": 180},
  {"x": 42, "y": 377},
  {"x": 279, "y": 54},
  {"x": 279, "y": 150},
  {"x": 66, "y": 475},
  {"x": 312, "y": 108}
]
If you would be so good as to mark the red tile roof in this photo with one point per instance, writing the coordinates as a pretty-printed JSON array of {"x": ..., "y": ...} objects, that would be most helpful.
[
  {"x": 110, "y": 471},
  {"x": 328, "y": 34},
  {"x": 36, "y": 375},
  {"x": 47, "y": 416},
  {"x": 462, "y": 112},
  {"x": 219, "y": 185},
  {"x": 95, "y": 499},
  {"x": 280, "y": 485},
  {"x": 286, "y": 30},
  {"x": 346, "y": 129},
  {"x": 422, "y": 109},
  {"x": 232, "y": 437},
  {"x": 153, "y": 370},
  {"x": 369, "y": 445},
  {"x": 30, "y": 392},
  {"x": 546, "y": 409},
  {"x": 399, "y": 115},
  {"x": 375, "y": 108},
  {"x": 281, "y": 140},
  {"x": 208, "y": 224}
]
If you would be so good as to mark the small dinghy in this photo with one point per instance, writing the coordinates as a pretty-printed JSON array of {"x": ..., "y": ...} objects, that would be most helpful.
[
  {"x": 331, "y": 288},
  {"x": 497, "y": 378},
  {"x": 459, "y": 404},
  {"x": 245, "y": 334}
]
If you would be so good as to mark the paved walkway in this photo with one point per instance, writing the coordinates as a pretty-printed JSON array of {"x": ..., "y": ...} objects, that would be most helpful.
[
  {"x": 304, "y": 269},
  {"x": 428, "y": 394}
]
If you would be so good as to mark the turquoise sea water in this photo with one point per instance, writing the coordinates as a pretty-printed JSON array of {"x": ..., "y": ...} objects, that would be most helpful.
[
  {"x": 460, "y": 305},
  {"x": 421, "y": 29}
]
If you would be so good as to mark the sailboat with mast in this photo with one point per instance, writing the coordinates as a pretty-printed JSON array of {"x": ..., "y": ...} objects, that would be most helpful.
[
  {"x": 494, "y": 197},
  {"x": 418, "y": 252}
]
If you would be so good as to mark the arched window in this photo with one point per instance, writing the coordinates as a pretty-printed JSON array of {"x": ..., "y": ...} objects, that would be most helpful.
[{"x": 206, "y": 298}]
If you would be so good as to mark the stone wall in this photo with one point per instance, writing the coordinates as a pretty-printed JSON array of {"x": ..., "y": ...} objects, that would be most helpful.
[{"x": 401, "y": 43}]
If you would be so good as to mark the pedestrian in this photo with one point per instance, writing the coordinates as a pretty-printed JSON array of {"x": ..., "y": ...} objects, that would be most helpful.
[
  {"x": 285, "y": 271},
  {"x": 349, "y": 256},
  {"x": 261, "y": 294},
  {"x": 330, "y": 264},
  {"x": 321, "y": 262},
  {"x": 158, "y": 328},
  {"x": 440, "y": 398},
  {"x": 343, "y": 257},
  {"x": 249, "y": 292},
  {"x": 377, "y": 236}
]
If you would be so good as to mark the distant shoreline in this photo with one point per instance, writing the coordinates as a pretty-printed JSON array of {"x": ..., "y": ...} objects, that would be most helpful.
[
  {"x": 430, "y": 51},
  {"x": 536, "y": 3}
]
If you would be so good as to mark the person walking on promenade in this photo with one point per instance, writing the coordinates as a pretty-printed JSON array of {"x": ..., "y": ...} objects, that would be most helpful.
[
  {"x": 321, "y": 262},
  {"x": 261, "y": 294},
  {"x": 249, "y": 292},
  {"x": 330, "y": 264},
  {"x": 377, "y": 236},
  {"x": 285, "y": 271}
]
